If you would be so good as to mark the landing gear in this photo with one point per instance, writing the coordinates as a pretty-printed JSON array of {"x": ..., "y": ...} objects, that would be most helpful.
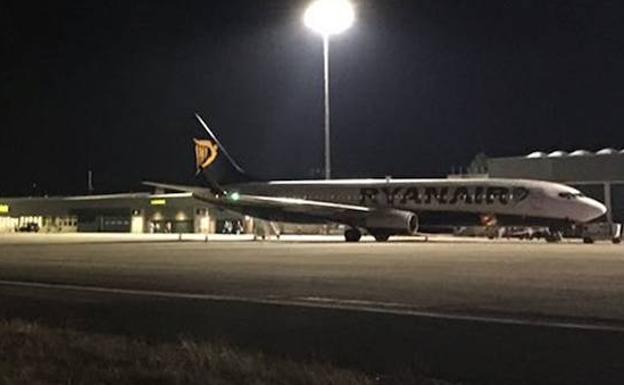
[
  {"x": 352, "y": 235},
  {"x": 381, "y": 237}
]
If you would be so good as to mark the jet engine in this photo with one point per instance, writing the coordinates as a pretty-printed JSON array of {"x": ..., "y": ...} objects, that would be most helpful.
[{"x": 392, "y": 221}]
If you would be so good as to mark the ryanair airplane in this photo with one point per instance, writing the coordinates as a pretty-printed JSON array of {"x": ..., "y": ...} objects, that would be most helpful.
[{"x": 386, "y": 207}]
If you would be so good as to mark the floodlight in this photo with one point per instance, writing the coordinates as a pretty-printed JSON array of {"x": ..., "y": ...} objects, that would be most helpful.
[{"x": 329, "y": 17}]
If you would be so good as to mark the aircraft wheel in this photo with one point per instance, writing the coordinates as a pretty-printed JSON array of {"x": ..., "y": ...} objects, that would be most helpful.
[
  {"x": 381, "y": 237},
  {"x": 588, "y": 240},
  {"x": 352, "y": 235},
  {"x": 617, "y": 240}
]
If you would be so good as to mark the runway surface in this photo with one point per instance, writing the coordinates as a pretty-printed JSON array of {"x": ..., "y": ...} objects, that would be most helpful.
[{"x": 438, "y": 294}]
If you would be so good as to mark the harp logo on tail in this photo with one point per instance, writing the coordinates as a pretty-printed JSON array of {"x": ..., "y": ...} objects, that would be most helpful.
[{"x": 205, "y": 153}]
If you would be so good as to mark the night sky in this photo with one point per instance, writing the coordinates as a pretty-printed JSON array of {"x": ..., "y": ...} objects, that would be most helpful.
[{"x": 417, "y": 87}]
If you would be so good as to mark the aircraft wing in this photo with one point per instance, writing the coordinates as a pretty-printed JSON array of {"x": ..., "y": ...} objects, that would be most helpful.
[
  {"x": 250, "y": 204},
  {"x": 288, "y": 209},
  {"x": 179, "y": 187},
  {"x": 298, "y": 205}
]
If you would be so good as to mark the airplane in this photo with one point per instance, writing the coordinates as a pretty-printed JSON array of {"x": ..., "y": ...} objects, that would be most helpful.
[{"x": 386, "y": 206}]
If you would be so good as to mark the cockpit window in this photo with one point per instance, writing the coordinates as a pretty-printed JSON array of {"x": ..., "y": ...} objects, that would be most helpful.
[{"x": 570, "y": 195}]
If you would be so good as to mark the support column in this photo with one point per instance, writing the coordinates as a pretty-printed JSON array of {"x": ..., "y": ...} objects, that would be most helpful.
[{"x": 608, "y": 202}]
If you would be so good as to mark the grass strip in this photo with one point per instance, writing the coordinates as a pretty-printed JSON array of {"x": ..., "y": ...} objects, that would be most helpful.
[{"x": 36, "y": 355}]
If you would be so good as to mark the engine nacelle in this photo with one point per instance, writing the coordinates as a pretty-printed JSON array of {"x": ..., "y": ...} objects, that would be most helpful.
[{"x": 392, "y": 221}]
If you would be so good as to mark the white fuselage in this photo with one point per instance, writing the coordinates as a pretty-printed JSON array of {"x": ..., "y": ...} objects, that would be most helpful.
[{"x": 512, "y": 197}]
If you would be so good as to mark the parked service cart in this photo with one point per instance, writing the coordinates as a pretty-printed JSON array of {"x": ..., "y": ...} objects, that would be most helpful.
[{"x": 602, "y": 231}]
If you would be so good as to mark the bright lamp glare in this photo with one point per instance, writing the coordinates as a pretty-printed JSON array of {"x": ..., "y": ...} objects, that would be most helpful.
[{"x": 329, "y": 17}]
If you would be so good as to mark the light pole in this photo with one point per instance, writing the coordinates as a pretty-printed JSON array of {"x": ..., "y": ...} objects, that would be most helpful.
[{"x": 328, "y": 17}]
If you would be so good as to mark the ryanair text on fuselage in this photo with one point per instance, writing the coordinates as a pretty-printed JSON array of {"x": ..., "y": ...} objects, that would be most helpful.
[{"x": 443, "y": 195}]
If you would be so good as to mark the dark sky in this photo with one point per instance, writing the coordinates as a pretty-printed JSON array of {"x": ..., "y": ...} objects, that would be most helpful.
[{"x": 417, "y": 87}]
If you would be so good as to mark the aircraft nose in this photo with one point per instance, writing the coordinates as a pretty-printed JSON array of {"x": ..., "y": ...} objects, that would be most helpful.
[{"x": 593, "y": 209}]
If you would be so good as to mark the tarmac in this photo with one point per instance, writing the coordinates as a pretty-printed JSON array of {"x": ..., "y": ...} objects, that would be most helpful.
[{"x": 469, "y": 309}]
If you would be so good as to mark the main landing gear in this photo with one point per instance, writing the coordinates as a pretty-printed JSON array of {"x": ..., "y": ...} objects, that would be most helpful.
[
  {"x": 352, "y": 235},
  {"x": 381, "y": 237}
]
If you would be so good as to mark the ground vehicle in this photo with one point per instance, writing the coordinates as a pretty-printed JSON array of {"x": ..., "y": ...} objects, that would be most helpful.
[
  {"x": 522, "y": 232},
  {"x": 30, "y": 227},
  {"x": 602, "y": 231}
]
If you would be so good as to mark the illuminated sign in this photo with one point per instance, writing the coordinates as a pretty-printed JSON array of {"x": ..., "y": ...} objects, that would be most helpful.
[
  {"x": 4, "y": 209},
  {"x": 158, "y": 202}
]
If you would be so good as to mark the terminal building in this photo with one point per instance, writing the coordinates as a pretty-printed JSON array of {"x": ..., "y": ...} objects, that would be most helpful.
[
  {"x": 133, "y": 213},
  {"x": 120, "y": 213}
]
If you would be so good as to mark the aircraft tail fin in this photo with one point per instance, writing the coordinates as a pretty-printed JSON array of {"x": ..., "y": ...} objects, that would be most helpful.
[{"x": 215, "y": 163}]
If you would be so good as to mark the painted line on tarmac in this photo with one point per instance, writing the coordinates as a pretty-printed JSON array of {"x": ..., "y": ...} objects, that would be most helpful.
[{"x": 324, "y": 303}]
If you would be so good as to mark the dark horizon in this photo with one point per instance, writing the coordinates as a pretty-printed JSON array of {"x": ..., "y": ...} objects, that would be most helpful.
[{"x": 417, "y": 88}]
